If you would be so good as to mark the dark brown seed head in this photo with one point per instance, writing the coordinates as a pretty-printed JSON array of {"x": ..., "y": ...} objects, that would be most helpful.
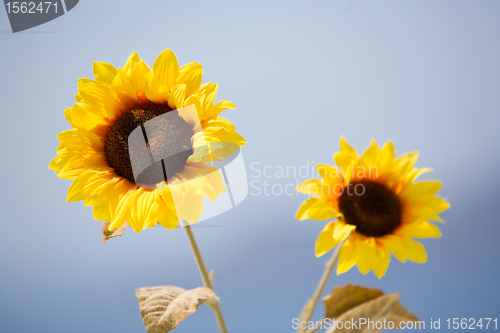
[
  {"x": 173, "y": 135},
  {"x": 372, "y": 207}
]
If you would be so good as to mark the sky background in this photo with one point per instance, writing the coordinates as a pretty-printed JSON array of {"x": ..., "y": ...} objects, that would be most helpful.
[{"x": 425, "y": 74}]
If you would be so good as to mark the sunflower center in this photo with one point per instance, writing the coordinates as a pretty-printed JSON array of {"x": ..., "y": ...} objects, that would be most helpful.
[
  {"x": 372, "y": 207},
  {"x": 172, "y": 136}
]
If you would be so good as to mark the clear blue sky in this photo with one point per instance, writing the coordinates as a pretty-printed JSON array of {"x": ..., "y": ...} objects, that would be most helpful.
[{"x": 425, "y": 74}]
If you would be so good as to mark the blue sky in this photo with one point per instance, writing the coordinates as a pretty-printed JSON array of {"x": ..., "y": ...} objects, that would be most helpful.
[{"x": 424, "y": 74}]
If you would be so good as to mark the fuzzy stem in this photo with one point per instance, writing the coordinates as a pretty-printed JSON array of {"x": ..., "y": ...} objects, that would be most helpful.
[
  {"x": 308, "y": 309},
  {"x": 204, "y": 276}
]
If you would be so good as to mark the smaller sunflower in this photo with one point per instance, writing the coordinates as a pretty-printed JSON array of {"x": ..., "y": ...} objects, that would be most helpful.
[{"x": 378, "y": 206}]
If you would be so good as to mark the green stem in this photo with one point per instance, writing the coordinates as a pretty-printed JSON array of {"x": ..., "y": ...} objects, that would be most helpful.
[
  {"x": 205, "y": 276},
  {"x": 308, "y": 309}
]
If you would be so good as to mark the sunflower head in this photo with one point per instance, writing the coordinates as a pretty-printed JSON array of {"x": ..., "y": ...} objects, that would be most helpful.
[
  {"x": 378, "y": 207},
  {"x": 140, "y": 142}
]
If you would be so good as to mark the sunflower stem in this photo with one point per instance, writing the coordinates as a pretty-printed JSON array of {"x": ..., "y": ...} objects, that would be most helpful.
[
  {"x": 308, "y": 309},
  {"x": 205, "y": 277}
]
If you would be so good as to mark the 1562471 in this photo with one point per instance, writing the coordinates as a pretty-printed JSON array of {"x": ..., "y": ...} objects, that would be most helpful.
[
  {"x": 472, "y": 323},
  {"x": 44, "y": 7}
]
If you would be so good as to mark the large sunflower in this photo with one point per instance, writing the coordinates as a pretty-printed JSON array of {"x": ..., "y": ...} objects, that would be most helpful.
[
  {"x": 95, "y": 153},
  {"x": 378, "y": 206}
]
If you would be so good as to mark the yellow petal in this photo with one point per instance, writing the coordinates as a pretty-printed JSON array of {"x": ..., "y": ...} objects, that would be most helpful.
[
  {"x": 419, "y": 229},
  {"x": 101, "y": 98},
  {"x": 156, "y": 91},
  {"x": 209, "y": 92},
  {"x": 342, "y": 231},
  {"x": 218, "y": 126},
  {"x": 304, "y": 209},
  {"x": 167, "y": 217},
  {"x": 124, "y": 89},
  {"x": 322, "y": 210},
  {"x": 166, "y": 68},
  {"x": 80, "y": 117},
  {"x": 190, "y": 75},
  {"x": 347, "y": 256},
  {"x": 139, "y": 74},
  {"x": 405, "y": 248},
  {"x": 122, "y": 211},
  {"x": 389, "y": 152},
  {"x": 143, "y": 208},
  {"x": 311, "y": 186},
  {"x": 82, "y": 141},
  {"x": 131, "y": 60},
  {"x": 437, "y": 204},
  {"x": 421, "y": 191},
  {"x": 104, "y": 72},
  {"x": 365, "y": 249},
  {"x": 415, "y": 173},
  {"x": 216, "y": 109},
  {"x": 371, "y": 254},
  {"x": 193, "y": 100},
  {"x": 232, "y": 138},
  {"x": 83, "y": 186},
  {"x": 325, "y": 241},
  {"x": 177, "y": 96},
  {"x": 406, "y": 163},
  {"x": 112, "y": 199},
  {"x": 371, "y": 156},
  {"x": 382, "y": 259},
  {"x": 57, "y": 164},
  {"x": 203, "y": 180},
  {"x": 78, "y": 164},
  {"x": 346, "y": 159},
  {"x": 188, "y": 204},
  {"x": 327, "y": 171}
]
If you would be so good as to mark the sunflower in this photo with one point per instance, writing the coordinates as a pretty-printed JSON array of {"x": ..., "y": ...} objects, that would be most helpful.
[
  {"x": 378, "y": 205},
  {"x": 96, "y": 153}
]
